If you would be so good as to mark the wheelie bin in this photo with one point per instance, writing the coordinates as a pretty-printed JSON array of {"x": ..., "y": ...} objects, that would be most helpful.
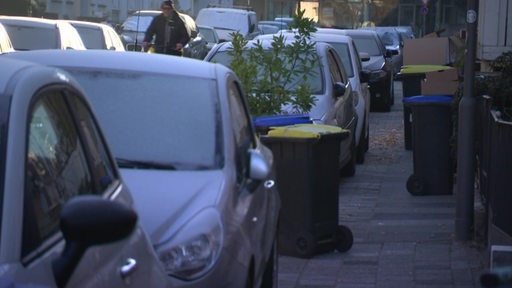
[
  {"x": 411, "y": 77},
  {"x": 306, "y": 161},
  {"x": 431, "y": 135}
]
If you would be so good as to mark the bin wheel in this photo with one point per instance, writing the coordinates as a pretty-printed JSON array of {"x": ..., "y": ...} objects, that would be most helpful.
[
  {"x": 416, "y": 186},
  {"x": 305, "y": 245},
  {"x": 344, "y": 238}
]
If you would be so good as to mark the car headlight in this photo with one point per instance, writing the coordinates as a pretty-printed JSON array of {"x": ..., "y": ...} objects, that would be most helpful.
[
  {"x": 193, "y": 250},
  {"x": 376, "y": 75}
]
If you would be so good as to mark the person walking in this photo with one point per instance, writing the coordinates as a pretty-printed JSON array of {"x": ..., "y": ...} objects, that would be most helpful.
[{"x": 169, "y": 31}]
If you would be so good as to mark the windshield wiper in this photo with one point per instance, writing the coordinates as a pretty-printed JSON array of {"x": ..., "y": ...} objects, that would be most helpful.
[{"x": 140, "y": 164}]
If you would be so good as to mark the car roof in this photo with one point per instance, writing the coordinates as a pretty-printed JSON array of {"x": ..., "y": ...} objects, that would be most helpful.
[
  {"x": 87, "y": 24},
  {"x": 28, "y": 21},
  {"x": 146, "y": 12},
  {"x": 9, "y": 68},
  {"x": 225, "y": 9},
  {"x": 126, "y": 61},
  {"x": 323, "y": 37},
  {"x": 349, "y": 32},
  {"x": 265, "y": 43}
]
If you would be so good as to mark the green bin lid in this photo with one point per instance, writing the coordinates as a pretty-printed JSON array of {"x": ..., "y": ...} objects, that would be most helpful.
[{"x": 304, "y": 130}]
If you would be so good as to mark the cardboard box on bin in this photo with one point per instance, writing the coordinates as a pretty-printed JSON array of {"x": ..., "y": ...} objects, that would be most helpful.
[
  {"x": 440, "y": 82},
  {"x": 429, "y": 51}
]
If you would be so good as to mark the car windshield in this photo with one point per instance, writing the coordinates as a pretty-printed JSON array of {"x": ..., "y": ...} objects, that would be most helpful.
[
  {"x": 32, "y": 38},
  {"x": 314, "y": 79},
  {"x": 368, "y": 45},
  {"x": 137, "y": 23},
  {"x": 153, "y": 118},
  {"x": 92, "y": 38},
  {"x": 344, "y": 53},
  {"x": 208, "y": 34},
  {"x": 389, "y": 38}
]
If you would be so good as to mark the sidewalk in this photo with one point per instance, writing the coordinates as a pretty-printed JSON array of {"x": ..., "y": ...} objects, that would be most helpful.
[{"x": 400, "y": 240}]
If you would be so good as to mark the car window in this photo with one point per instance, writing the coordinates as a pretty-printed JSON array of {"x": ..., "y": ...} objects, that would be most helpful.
[
  {"x": 314, "y": 79},
  {"x": 92, "y": 37},
  {"x": 368, "y": 45},
  {"x": 358, "y": 61},
  {"x": 344, "y": 53},
  {"x": 32, "y": 38},
  {"x": 137, "y": 23},
  {"x": 56, "y": 168},
  {"x": 162, "y": 111},
  {"x": 334, "y": 68},
  {"x": 242, "y": 130},
  {"x": 208, "y": 34}
]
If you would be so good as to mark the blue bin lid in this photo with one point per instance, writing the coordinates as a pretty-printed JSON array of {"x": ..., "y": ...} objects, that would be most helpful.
[
  {"x": 282, "y": 120},
  {"x": 428, "y": 99}
]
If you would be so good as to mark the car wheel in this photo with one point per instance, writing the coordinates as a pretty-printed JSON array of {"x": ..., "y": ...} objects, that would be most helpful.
[
  {"x": 392, "y": 91},
  {"x": 350, "y": 168},
  {"x": 367, "y": 139},
  {"x": 271, "y": 268},
  {"x": 361, "y": 148},
  {"x": 249, "y": 282}
]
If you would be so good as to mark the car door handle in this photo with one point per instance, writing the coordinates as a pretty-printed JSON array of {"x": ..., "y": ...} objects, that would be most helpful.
[{"x": 128, "y": 268}]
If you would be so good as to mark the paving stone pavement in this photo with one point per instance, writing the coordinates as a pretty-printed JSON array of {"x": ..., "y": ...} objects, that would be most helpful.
[{"x": 400, "y": 240}]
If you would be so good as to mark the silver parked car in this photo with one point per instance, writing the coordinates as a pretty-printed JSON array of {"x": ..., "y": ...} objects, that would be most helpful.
[
  {"x": 30, "y": 33},
  {"x": 331, "y": 90},
  {"x": 202, "y": 181},
  {"x": 349, "y": 56},
  {"x": 67, "y": 219}
]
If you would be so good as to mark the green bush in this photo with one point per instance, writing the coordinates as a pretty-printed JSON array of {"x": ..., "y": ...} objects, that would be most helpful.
[
  {"x": 499, "y": 86},
  {"x": 277, "y": 76}
]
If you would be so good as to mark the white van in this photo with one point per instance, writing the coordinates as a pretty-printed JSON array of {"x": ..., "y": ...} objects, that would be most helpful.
[{"x": 229, "y": 20}]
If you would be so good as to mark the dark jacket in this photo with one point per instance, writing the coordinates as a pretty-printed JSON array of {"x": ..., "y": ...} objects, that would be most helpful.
[{"x": 177, "y": 33}]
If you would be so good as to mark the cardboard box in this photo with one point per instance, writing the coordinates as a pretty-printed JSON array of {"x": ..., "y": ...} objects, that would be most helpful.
[
  {"x": 427, "y": 51},
  {"x": 440, "y": 83}
]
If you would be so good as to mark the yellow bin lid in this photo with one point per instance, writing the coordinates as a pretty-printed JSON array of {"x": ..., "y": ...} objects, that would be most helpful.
[{"x": 304, "y": 130}]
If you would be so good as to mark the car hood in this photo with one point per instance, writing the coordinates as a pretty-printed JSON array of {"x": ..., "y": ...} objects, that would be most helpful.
[
  {"x": 375, "y": 63},
  {"x": 319, "y": 111},
  {"x": 164, "y": 200}
]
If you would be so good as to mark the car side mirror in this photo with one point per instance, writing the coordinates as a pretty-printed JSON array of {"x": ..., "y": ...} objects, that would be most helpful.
[
  {"x": 339, "y": 89},
  {"x": 364, "y": 76},
  {"x": 364, "y": 56},
  {"x": 391, "y": 52},
  {"x": 259, "y": 168},
  {"x": 118, "y": 28},
  {"x": 86, "y": 221}
]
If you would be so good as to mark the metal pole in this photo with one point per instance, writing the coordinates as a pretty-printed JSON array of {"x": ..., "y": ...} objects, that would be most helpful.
[{"x": 466, "y": 139}]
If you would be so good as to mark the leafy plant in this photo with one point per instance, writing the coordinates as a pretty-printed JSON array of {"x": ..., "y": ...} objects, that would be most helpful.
[
  {"x": 499, "y": 86},
  {"x": 276, "y": 76}
]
